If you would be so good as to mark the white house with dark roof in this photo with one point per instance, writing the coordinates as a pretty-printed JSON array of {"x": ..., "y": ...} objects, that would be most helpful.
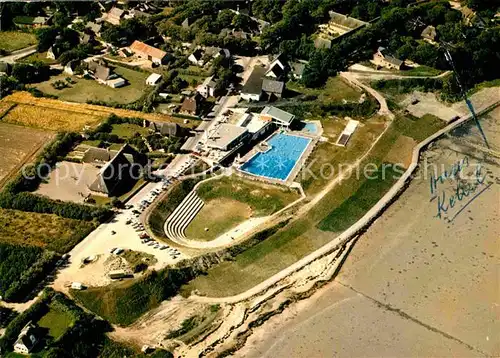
[
  {"x": 383, "y": 59},
  {"x": 27, "y": 339}
]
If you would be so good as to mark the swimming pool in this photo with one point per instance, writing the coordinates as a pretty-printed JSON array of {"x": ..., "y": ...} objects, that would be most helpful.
[
  {"x": 279, "y": 161},
  {"x": 311, "y": 127}
]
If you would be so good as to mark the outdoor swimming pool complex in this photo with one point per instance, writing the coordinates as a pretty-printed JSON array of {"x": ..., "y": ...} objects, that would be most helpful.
[{"x": 278, "y": 161}]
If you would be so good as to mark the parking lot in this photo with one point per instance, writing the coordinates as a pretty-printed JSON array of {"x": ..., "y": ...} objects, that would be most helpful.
[{"x": 123, "y": 231}]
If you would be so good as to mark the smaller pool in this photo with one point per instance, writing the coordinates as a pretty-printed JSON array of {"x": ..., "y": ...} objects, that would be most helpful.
[
  {"x": 279, "y": 161},
  {"x": 310, "y": 127}
]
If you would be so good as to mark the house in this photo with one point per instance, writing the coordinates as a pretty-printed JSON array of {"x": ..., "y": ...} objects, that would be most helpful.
[
  {"x": 252, "y": 89},
  {"x": 153, "y": 54},
  {"x": 186, "y": 23},
  {"x": 272, "y": 89},
  {"x": 71, "y": 66},
  {"x": 207, "y": 88},
  {"x": 429, "y": 34},
  {"x": 87, "y": 39},
  {"x": 166, "y": 129},
  {"x": 278, "y": 116},
  {"x": 54, "y": 52},
  {"x": 94, "y": 27},
  {"x": 153, "y": 79},
  {"x": 115, "y": 15},
  {"x": 27, "y": 339},
  {"x": 382, "y": 59},
  {"x": 192, "y": 105},
  {"x": 33, "y": 22},
  {"x": 297, "y": 69},
  {"x": 104, "y": 75},
  {"x": 278, "y": 68},
  {"x": 119, "y": 172},
  {"x": 196, "y": 58}
]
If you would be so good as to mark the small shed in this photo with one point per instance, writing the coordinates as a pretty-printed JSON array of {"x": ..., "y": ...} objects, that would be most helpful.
[{"x": 153, "y": 79}]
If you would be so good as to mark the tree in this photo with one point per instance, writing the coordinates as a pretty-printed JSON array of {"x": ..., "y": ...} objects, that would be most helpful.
[
  {"x": 46, "y": 37},
  {"x": 31, "y": 73}
]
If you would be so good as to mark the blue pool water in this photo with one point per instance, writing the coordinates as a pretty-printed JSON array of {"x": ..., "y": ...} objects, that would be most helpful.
[
  {"x": 277, "y": 162},
  {"x": 311, "y": 128}
]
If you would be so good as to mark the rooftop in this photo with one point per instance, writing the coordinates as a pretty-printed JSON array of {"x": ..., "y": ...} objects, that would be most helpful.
[
  {"x": 224, "y": 135},
  {"x": 254, "y": 83},
  {"x": 138, "y": 46},
  {"x": 278, "y": 114}
]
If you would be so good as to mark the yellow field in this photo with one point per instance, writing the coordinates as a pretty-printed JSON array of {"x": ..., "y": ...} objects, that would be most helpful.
[
  {"x": 4, "y": 107},
  {"x": 72, "y": 116},
  {"x": 50, "y": 119}
]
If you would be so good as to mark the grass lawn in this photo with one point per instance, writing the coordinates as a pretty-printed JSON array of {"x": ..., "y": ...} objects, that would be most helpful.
[
  {"x": 89, "y": 90},
  {"x": 335, "y": 90},
  {"x": 38, "y": 56},
  {"x": 304, "y": 235},
  {"x": 327, "y": 158},
  {"x": 43, "y": 230},
  {"x": 420, "y": 71},
  {"x": 127, "y": 130},
  {"x": 219, "y": 216},
  {"x": 15, "y": 40},
  {"x": 262, "y": 198},
  {"x": 56, "y": 321}
]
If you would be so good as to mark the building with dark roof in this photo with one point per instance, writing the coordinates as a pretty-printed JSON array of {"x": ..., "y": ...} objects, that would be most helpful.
[
  {"x": 382, "y": 58},
  {"x": 27, "y": 339},
  {"x": 192, "y": 105},
  {"x": 272, "y": 89},
  {"x": 166, "y": 129},
  {"x": 119, "y": 172},
  {"x": 252, "y": 89}
]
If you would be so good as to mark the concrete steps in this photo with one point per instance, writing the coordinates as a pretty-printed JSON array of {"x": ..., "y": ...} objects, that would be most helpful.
[{"x": 176, "y": 224}]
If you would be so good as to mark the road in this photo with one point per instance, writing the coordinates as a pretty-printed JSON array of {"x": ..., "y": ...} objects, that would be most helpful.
[{"x": 16, "y": 55}]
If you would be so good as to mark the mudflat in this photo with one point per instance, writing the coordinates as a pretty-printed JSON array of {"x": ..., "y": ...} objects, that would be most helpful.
[{"x": 424, "y": 280}]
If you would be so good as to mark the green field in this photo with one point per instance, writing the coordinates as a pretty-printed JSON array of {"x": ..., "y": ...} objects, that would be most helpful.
[
  {"x": 38, "y": 56},
  {"x": 56, "y": 321},
  {"x": 15, "y": 40},
  {"x": 328, "y": 159},
  {"x": 335, "y": 90},
  {"x": 89, "y": 90},
  {"x": 263, "y": 199},
  {"x": 127, "y": 130},
  {"x": 230, "y": 201},
  {"x": 303, "y": 236}
]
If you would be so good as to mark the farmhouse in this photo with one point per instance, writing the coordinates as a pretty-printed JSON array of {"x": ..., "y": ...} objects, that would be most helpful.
[
  {"x": 144, "y": 51},
  {"x": 115, "y": 15},
  {"x": 429, "y": 34},
  {"x": 94, "y": 27},
  {"x": 166, "y": 129},
  {"x": 103, "y": 74},
  {"x": 27, "y": 339},
  {"x": 192, "y": 105},
  {"x": 121, "y": 169},
  {"x": 382, "y": 59}
]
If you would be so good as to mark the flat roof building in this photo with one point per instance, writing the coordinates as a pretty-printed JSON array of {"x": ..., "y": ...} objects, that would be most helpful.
[
  {"x": 226, "y": 136},
  {"x": 277, "y": 115}
]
